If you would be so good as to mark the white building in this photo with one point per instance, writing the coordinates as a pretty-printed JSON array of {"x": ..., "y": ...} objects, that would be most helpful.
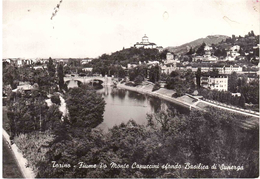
[
  {"x": 168, "y": 68},
  {"x": 207, "y": 48},
  {"x": 147, "y": 45},
  {"x": 221, "y": 69},
  {"x": 230, "y": 69},
  {"x": 235, "y": 48},
  {"x": 131, "y": 65},
  {"x": 87, "y": 69},
  {"x": 232, "y": 53},
  {"x": 85, "y": 61},
  {"x": 219, "y": 83}
]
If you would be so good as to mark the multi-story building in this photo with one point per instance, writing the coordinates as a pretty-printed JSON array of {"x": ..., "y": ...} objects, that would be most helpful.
[
  {"x": 170, "y": 64},
  {"x": 219, "y": 83},
  {"x": 221, "y": 69}
]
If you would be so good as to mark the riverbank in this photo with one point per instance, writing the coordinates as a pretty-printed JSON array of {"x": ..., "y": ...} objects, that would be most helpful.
[{"x": 162, "y": 93}]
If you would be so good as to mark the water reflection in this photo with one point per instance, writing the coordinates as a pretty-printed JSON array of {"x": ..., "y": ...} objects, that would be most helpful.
[
  {"x": 115, "y": 92},
  {"x": 137, "y": 96},
  {"x": 121, "y": 94},
  {"x": 176, "y": 107},
  {"x": 123, "y": 105},
  {"x": 155, "y": 103}
]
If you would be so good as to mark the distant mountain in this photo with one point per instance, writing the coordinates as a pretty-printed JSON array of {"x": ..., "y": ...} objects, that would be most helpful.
[{"x": 211, "y": 39}]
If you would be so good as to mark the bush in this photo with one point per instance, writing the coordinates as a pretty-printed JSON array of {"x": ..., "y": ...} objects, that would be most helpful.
[
  {"x": 55, "y": 99},
  {"x": 175, "y": 95},
  {"x": 6, "y": 121},
  {"x": 156, "y": 87},
  {"x": 34, "y": 147},
  {"x": 139, "y": 79},
  {"x": 130, "y": 84}
]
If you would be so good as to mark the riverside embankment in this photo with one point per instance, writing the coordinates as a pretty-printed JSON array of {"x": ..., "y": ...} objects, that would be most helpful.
[
  {"x": 185, "y": 100},
  {"x": 162, "y": 93}
]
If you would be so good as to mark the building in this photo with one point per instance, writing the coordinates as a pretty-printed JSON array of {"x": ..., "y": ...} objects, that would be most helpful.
[
  {"x": 221, "y": 69},
  {"x": 85, "y": 61},
  {"x": 170, "y": 64},
  {"x": 131, "y": 65},
  {"x": 229, "y": 69},
  {"x": 219, "y": 83},
  {"x": 232, "y": 53},
  {"x": 87, "y": 69},
  {"x": 160, "y": 48},
  {"x": 205, "y": 58},
  {"x": 207, "y": 50},
  {"x": 168, "y": 68},
  {"x": 147, "y": 45}
]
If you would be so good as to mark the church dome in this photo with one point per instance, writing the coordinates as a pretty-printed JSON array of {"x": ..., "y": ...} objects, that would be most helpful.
[{"x": 145, "y": 39}]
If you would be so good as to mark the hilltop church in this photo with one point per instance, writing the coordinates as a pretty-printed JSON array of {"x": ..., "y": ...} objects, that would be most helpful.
[{"x": 146, "y": 44}]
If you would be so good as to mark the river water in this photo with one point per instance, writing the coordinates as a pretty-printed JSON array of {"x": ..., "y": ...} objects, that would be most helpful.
[{"x": 123, "y": 105}]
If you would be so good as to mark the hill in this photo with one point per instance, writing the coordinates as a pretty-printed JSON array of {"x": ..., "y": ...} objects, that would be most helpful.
[{"x": 211, "y": 39}]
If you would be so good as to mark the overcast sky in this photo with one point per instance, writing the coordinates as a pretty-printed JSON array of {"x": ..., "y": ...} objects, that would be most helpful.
[{"x": 89, "y": 28}]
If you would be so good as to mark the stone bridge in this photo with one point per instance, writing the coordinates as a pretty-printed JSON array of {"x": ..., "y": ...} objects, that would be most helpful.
[{"x": 90, "y": 79}]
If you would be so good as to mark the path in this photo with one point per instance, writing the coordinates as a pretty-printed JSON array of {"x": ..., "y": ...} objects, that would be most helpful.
[
  {"x": 62, "y": 106},
  {"x": 22, "y": 162},
  {"x": 11, "y": 168},
  {"x": 229, "y": 109}
]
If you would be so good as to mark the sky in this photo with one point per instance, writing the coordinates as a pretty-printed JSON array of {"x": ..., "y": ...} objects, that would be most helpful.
[{"x": 90, "y": 28}]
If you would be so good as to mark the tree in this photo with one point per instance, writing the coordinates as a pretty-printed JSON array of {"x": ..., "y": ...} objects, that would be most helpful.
[
  {"x": 242, "y": 101},
  {"x": 140, "y": 70},
  {"x": 42, "y": 78},
  {"x": 10, "y": 75},
  {"x": 163, "y": 54},
  {"x": 28, "y": 113},
  {"x": 198, "y": 75},
  {"x": 85, "y": 107},
  {"x": 51, "y": 69},
  {"x": 173, "y": 81},
  {"x": 190, "y": 52},
  {"x": 252, "y": 34},
  {"x": 198, "y": 137},
  {"x": 189, "y": 80},
  {"x": 56, "y": 99},
  {"x": 174, "y": 74},
  {"x": 223, "y": 53},
  {"x": 200, "y": 50},
  {"x": 154, "y": 74},
  {"x": 61, "y": 76},
  {"x": 218, "y": 53},
  {"x": 233, "y": 82},
  {"x": 139, "y": 79},
  {"x": 53, "y": 118}
]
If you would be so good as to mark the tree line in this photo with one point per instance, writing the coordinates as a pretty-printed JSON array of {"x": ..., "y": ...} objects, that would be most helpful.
[{"x": 207, "y": 138}]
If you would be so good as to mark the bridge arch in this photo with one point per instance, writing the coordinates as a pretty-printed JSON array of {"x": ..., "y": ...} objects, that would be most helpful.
[{"x": 87, "y": 79}]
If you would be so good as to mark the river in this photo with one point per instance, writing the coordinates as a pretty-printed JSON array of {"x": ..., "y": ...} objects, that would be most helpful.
[{"x": 123, "y": 105}]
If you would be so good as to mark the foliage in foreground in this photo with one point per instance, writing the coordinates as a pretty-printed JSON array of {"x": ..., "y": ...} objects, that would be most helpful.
[
  {"x": 34, "y": 147},
  {"x": 199, "y": 137}
]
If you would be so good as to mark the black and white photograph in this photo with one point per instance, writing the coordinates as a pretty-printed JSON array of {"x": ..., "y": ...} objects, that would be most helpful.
[{"x": 130, "y": 88}]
